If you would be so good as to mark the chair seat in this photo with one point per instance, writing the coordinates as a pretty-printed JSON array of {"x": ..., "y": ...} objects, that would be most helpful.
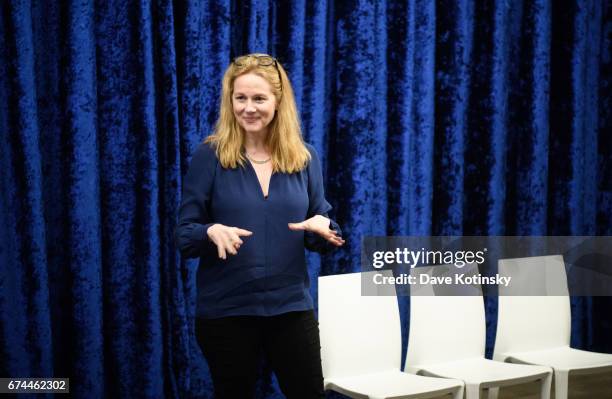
[
  {"x": 486, "y": 372},
  {"x": 390, "y": 384},
  {"x": 565, "y": 358}
]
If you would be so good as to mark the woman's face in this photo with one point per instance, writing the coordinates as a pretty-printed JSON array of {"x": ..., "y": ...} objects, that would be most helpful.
[{"x": 253, "y": 102}]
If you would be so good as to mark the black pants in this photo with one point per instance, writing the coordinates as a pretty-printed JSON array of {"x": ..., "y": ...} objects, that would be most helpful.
[{"x": 233, "y": 347}]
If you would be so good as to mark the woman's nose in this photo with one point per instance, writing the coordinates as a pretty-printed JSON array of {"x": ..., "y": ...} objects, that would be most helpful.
[{"x": 250, "y": 108}]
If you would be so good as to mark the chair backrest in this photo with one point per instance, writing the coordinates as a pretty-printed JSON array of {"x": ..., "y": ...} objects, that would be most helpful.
[
  {"x": 534, "y": 310},
  {"x": 359, "y": 334},
  {"x": 444, "y": 328}
]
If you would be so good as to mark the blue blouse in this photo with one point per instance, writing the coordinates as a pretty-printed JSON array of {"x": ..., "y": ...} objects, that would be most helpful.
[{"x": 268, "y": 276}]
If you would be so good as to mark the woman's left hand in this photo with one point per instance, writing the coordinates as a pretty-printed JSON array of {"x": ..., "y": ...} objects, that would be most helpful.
[{"x": 320, "y": 225}]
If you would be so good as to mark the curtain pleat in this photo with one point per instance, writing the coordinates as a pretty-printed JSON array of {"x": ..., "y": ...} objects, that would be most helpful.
[
  {"x": 418, "y": 187},
  {"x": 257, "y": 24},
  {"x": 453, "y": 54},
  {"x": 496, "y": 102},
  {"x": 28, "y": 345},
  {"x": 430, "y": 118},
  {"x": 118, "y": 185}
]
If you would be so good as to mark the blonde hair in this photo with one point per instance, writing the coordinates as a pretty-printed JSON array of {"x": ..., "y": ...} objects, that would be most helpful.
[{"x": 288, "y": 151}]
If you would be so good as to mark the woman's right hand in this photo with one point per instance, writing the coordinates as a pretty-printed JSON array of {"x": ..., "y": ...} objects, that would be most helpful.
[{"x": 227, "y": 239}]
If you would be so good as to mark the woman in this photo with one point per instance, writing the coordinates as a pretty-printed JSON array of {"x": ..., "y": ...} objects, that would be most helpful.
[{"x": 252, "y": 201}]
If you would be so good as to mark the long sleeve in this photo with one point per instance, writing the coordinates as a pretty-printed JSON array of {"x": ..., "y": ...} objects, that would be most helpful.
[
  {"x": 318, "y": 205},
  {"x": 194, "y": 219}
]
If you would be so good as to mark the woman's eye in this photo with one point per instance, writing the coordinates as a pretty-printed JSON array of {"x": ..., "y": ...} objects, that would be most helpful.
[{"x": 260, "y": 99}]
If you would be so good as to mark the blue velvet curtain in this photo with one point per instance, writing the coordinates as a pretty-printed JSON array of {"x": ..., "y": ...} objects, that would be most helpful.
[{"x": 431, "y": 118}]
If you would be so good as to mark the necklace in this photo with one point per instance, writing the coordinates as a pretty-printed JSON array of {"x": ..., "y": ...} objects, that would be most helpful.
[{"x": 256, "y": 161}]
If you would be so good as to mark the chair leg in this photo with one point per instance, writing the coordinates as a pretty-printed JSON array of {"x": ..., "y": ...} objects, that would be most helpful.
[
  {"x": 545, "y": 386},
  {"x": 472, "y": 391},
  {"x": 561, "y": 381},
  {"x": 493, "y": 392},
  {"x": 458, "y": 394}
]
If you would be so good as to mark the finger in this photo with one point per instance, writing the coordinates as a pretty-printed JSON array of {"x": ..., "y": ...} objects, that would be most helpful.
[
  {"x": 236, "y": 244},
  {"x": 221, "y": 252},
  {"x": 242, "y": 232},
  {"x": 334, "y": 237},
  {"x": 228, "y": 239},
  {"x": 235, "y": 239},
  {"x": 229, "y": 246},
  {"x": 230, "y": 249},
  {"x": 329, "y": 233},
  {"x": 332, "y": 234},
  {"x": 336, "y": 240},
  {"x": 228, "y": 242},
  {"x": 297, "y": 226}
]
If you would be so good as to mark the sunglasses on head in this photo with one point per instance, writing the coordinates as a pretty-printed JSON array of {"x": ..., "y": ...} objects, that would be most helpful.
[{"x": 262, "y": 60}]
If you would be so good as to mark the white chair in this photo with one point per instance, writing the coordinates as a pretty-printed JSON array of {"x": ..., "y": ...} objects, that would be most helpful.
[
  {"x": 361, "y": 344},
  {"x": 536, "y": 329},
  {"x": 447, "y": 339}
]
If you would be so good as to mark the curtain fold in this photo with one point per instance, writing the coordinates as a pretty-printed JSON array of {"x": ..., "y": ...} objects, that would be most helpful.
[
  {"x": 28, "y": 341},
  {"x": 411, "y": 30},
  {"x": 430, "y": 118}
]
